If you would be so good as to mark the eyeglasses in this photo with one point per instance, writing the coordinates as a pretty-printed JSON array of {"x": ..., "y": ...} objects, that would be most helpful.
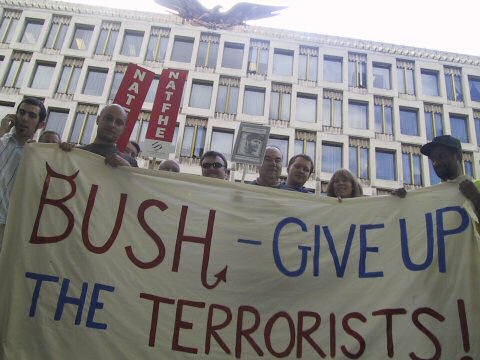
[{"x": 215, "y": 165}]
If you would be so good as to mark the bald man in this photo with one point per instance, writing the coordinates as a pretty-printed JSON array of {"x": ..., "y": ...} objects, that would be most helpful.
[
  {"x": 110, "y": 126},
  {"x": 169, "y": 165}
]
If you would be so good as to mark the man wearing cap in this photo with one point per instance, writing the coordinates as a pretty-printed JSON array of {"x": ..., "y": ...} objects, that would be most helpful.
[{"x": 445, "y": 152}]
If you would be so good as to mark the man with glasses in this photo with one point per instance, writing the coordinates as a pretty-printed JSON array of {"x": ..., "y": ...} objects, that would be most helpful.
[{"x": 214, "y": 165}]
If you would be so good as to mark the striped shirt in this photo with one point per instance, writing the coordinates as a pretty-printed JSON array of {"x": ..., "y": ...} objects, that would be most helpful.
[{"x": 10, "y": 155}]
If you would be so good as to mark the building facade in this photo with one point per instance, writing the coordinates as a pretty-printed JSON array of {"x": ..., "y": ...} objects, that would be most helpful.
[{"x": 347, "y": 103}]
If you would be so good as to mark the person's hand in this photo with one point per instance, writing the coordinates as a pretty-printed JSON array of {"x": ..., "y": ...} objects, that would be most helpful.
[
  {"x": 400, "y": 192},
  {"x": 66, "y": 146},
  {"x": 115, "y": 160},
  {"x": 339, "y": 198},
  {"x": 30, "y": 141}
]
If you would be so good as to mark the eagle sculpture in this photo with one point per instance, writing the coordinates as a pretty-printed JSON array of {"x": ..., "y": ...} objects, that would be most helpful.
[{"x": 196, "y": 13}]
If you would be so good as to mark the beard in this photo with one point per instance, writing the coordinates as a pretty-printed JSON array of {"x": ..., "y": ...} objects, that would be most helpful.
[{"x": 445, "y": 172}]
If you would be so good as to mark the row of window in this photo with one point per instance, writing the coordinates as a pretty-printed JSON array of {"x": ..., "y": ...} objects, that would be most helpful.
[
  {"x": 233, "y": 53},
  {"x": 194, "y": 140},
  {"x": 254, "y": 100}
]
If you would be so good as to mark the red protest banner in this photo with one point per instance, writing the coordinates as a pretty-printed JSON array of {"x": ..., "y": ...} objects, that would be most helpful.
[
  {"x": 164, "y": 113},
  {"x": 131, "y": 95}
]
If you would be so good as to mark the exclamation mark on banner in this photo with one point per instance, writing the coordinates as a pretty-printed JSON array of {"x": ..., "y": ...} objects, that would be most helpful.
[{"x": 464, "y": 328}]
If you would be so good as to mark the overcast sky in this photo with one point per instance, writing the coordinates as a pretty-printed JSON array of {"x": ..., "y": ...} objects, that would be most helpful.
[{"x": 438, "y": 25}]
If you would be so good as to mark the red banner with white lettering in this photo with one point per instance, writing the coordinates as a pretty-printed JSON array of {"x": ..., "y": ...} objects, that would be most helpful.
[
  {"x": 131, "y": 94},
  {"x": 164, "y": 113}
]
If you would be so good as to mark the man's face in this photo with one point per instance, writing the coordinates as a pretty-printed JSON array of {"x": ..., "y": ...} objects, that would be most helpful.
[
  {"x": 253, "y": 145},
  {"x": 445, "y": 163},
  {"x": 27, "y": 121},
  {"x": 111, "y": 123},
  {"x": 299, "y": 172},
  {"x": 49, "y": 138},
  {"x": 131, "y": 150},
  {"x": 210, "y": 167},
  {"x": 271, "y": 167}
]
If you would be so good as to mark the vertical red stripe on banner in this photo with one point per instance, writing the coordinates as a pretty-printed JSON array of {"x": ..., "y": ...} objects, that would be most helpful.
[
  {"x": 131, "y": 94},
  {"x": 166, "y": 106}
]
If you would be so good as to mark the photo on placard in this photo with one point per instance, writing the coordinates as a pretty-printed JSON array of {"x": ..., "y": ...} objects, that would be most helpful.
[{"x": 250, "y": 143}]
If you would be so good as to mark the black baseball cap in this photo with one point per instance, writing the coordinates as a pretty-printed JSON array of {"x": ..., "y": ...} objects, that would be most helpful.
[{"x": 447, "y": 141}]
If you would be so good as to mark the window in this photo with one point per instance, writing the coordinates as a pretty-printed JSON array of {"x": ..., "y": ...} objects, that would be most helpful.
[
  {"x": 120, "y": 70},
  {"x": 56, "y": 120},
  {"x": 17, "y": 70},
  {"x": 83, "y": 124},
  {"x": 405, "y": 76},
  {"x": 232, "y": 55},
  {"x": 383, "y": 115},
  {"x": 157, "y": 44},
  {"x": 140, "y": 129},
  {"x": 254, "y": 101},
  {"x": 70, "y": 75},
  {"x": 474, "y": 83},
  {"x": 193, "y": 143},
  {"x": 308, "y": 63},
  {"x": 107, "y": 38},
  {"x": 132, "y": 43},
  {"x": 208, "y": 50},
  {"x": 9, "y": 25},
  {"x": 306, "y": 109},
  {"x": 222, "y": 142},
  {"x": 174, "y": 140},
  {"x": 57, "y": 32},
  {"x": 476, "y": 118},
  {"x": 332, "y": 109},
  {"x": 42, "y": 75},
  {"x": 32, "y": 30},
  {"x": 459, "y": 127},
  {"x": 182, "y": 49},
  {"x": 434, "y": 179},
  {"x": 357, "y": 70},
  {"x": 430, "y": 82},
  {"x": 201, "y": 95},
  {"x": 81, "y": 37},
  {"x": 152, "y": 91},
  {"x": 6, "y": 108},
  {"x": 381, "y": 76},
  {"x": 95, "y": 81},
  {"x": 385, "y": 165},
  {"x": 282, "y": 144},
  {"x": 331, "y": 157},
  {"x": 358, "y": 157},
  {"x": 433, "y": 121},
  {"x": 280, "y": 100},
  {"x": 467, "y": 164},
  {"x": 258, "y": 57},
  {"x": 227, "y": 96},
  {"x": 358, "y": 114},
  {"x": 409, "y": 121},
  {"x": 305, "y": 144},
  {"x": 412, "y": 165},
  {"x": 283, "y": 62},
  {"x": 332, "y": 69},
  {"x": 453, "y": 82}
]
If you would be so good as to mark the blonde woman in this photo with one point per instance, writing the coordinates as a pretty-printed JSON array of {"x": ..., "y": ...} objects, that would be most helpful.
[{"x": 344, "y": 185}]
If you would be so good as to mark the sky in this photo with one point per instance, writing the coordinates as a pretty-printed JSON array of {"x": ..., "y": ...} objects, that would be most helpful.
[{"x": 431, "y": 24}]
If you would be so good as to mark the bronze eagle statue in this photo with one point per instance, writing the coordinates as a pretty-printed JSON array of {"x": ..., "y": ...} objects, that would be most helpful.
[{"x": 196, "y": 13}]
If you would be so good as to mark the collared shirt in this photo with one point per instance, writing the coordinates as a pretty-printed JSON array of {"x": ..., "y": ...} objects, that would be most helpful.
[
  {"x": 11, "y": 153},
  {"x": 303, "y": 189},
  {"x": 256, "y": 182}
]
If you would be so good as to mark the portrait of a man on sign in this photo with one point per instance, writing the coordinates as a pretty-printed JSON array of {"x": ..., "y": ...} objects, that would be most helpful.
[{"x": 251, "y": 143}]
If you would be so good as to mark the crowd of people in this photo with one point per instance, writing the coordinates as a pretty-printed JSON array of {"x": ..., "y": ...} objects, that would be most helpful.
[{"x": 444, "y": 151}]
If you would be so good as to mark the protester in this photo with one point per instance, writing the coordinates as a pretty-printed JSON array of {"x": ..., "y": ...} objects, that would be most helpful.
[
  {"x": 7, "y": 123},
  {"x": 132, "y": 149},
  {"x": 343, "y": 184},
  {"x": 29, "y": 118},
  {"x": 214, "y": 165},
  {"x": 299, "y": 169},
  {"x": 169, "y": 165},
  {"x": 110, "y": 126},
  {"x": 445, "y": 153},
  {"x": 271, "y": 169},
  {"x": 49, "y": 137}
]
